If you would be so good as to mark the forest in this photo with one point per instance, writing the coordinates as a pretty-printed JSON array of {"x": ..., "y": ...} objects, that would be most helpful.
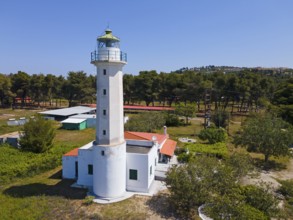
[{"x": 236, "y": 90}]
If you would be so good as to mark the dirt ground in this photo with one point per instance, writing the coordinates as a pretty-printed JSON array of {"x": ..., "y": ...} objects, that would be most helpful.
[{"x": 271, "y": 177}]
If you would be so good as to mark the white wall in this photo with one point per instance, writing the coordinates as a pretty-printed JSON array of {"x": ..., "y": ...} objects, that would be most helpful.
[
  {"x": 153, "y": 155},
  {"x": 109, "y": 170},
  {"x": 112, "y": 102},
  {"x": 85, "y": 157},
  {"x": 137, "y": 162},
  {"x": 141, "y": 163},
  {"x": 68, "y": 167}
]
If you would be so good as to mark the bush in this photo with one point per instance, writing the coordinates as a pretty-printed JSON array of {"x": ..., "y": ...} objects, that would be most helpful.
[
  {"x": 15, "y": 163},
  {"x": 146, "y": 122},
  {"x": 213, "y": 135},
  {"x": 261, "y": 199},
  {"x": 38, "y": 135},
  {"x": 88, "y": 200},
  {"x": 286, "y": 188},
  {"x": 225, "y": 208},
  {"x": 184, "y": 157},
  {"x": 218, "y": 150},
  {"x": 242, "y": 163},
  {"x": 220, "y": 118},
  {"x": 173, "y": 120}
]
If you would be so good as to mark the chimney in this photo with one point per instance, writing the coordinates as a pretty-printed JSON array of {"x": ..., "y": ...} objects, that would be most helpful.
[{"x": 165, "y": 130}]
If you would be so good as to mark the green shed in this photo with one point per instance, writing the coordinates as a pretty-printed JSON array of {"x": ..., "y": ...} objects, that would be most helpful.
[{"x": 74, "y": 124}]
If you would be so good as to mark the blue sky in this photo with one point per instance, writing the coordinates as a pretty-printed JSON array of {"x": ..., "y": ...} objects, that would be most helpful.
[{"x": 57, "y": 36}]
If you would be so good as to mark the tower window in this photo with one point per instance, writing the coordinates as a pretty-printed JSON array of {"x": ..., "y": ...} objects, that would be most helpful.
[
  {"x": 151, "y": 170},
  {"x": 104, "y": 112},
  {"x": 104, "y": 92},
  {"x": 104, "y": 72},
  {"x": 132, "y": 174},
  {"x": 104, "y": 132},
  {"x": 90, "y": 169},
  {"x": 102, "y": 153}
]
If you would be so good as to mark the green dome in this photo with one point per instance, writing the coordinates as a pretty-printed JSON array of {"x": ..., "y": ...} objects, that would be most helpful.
[{"x": 108, "y": 36}]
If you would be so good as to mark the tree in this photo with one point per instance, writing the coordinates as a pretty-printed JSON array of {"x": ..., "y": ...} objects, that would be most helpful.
[
  {"x": 266, "y": 134},
  {"x": 38, "y": 135},
  {"x": 220, "y": 118},
  {"x": 5, "y": 93},
  {"x": 21, "y": 85},
  {"x": 37, "y": 82},
  {"x": 283, "y": 98},
  {"x": 147, "y": 86},
  {"x": 214, "y": 183},
  {"x": 128, "y": 88},
  {"x": 78, "y": 87},
  {"x": 49, "y": 87},
  {"x": 198, "y": 182},
  {"x": 213, "y": 135},
  {"x": 187, "y": 111},
  {"x": 189, "y": 185}
]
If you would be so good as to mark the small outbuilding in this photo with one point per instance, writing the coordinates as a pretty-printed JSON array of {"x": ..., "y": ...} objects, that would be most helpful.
[
  {"x": 13, "y": 140},
  {"x": 64, "y": 113},
  {"x": 90, "y": 119},
  {"x": 74, "y": 124}
]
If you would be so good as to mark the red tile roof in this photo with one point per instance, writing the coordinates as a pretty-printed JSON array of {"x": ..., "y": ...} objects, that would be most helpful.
[
  {"x": 148, "y": 108},
  {"x": 132, "y": 135},
  {"x": 168, "y": 147},
  {"x": 72, "y": 153},
  {"x": 140, "y": 107}
]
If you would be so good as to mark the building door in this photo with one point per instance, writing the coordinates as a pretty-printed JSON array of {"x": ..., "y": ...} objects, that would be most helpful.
[{"x": 76, "y": 169}]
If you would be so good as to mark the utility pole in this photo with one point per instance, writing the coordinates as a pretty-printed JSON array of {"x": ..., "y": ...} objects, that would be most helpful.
[{"x": 207, "y": 108}]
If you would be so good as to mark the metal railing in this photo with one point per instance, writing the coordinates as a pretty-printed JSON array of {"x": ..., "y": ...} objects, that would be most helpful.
[{"x": 108, "y": 56}]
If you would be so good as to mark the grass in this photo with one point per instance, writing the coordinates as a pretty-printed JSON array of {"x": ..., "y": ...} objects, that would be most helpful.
[
  {"x": 191, "y": 130},
  {"x": 43, "y": 196},
  {"x": 47, "y": 196},
  {"x": 74, "y": 137},
  {"x": 274, "y": 163},
  {"x": 6, "y": 114}
]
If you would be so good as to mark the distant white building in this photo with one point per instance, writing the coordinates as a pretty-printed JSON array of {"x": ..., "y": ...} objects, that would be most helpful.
[{"x": 116, "y": 161}]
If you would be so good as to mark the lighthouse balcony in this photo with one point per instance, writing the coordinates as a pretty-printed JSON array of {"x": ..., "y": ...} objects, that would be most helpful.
[{"x": 108, "y": 55}]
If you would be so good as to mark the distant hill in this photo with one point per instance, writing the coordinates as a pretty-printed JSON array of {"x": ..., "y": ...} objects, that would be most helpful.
[{"x": 233, "y": 69}]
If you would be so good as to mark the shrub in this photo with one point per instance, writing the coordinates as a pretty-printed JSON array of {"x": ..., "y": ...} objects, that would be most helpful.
[
  {"x": 261, "y": 199},
  {"x": 184, "y": 157},
  {"x": 213, "y": 135},
  {"x": 218, "y": 150},
  {"x": 220, "y": 118},
  {"x": 15, "y": 163},
  {"x": 146, "y": 122},
  {"x": 286, "y": 188},
  {"x": 88, "y": 200},
  {"x": 38, "y": 135},
  {"x": 173, "y": 120}
]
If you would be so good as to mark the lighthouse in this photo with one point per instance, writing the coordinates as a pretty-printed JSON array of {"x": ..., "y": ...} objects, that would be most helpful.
[
  {"x": 109, "y": 147},
  {"x": 116, "y": 161}
]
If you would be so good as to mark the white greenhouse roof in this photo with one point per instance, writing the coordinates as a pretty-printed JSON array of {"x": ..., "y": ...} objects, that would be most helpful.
[
  {"x": 69, "y": 111},
  {"x": 86, "y": 116},
  {"x": 73, "y": 120}
]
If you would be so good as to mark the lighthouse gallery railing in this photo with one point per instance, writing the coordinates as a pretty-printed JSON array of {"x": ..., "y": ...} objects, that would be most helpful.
[{"x": 108, "y": 56}]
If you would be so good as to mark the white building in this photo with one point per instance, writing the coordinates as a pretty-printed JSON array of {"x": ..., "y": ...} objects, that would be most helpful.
[{"x": 116, "y": 161}]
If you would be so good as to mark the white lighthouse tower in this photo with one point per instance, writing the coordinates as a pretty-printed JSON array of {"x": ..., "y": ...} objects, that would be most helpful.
[{"x": 109, "y": 150}]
